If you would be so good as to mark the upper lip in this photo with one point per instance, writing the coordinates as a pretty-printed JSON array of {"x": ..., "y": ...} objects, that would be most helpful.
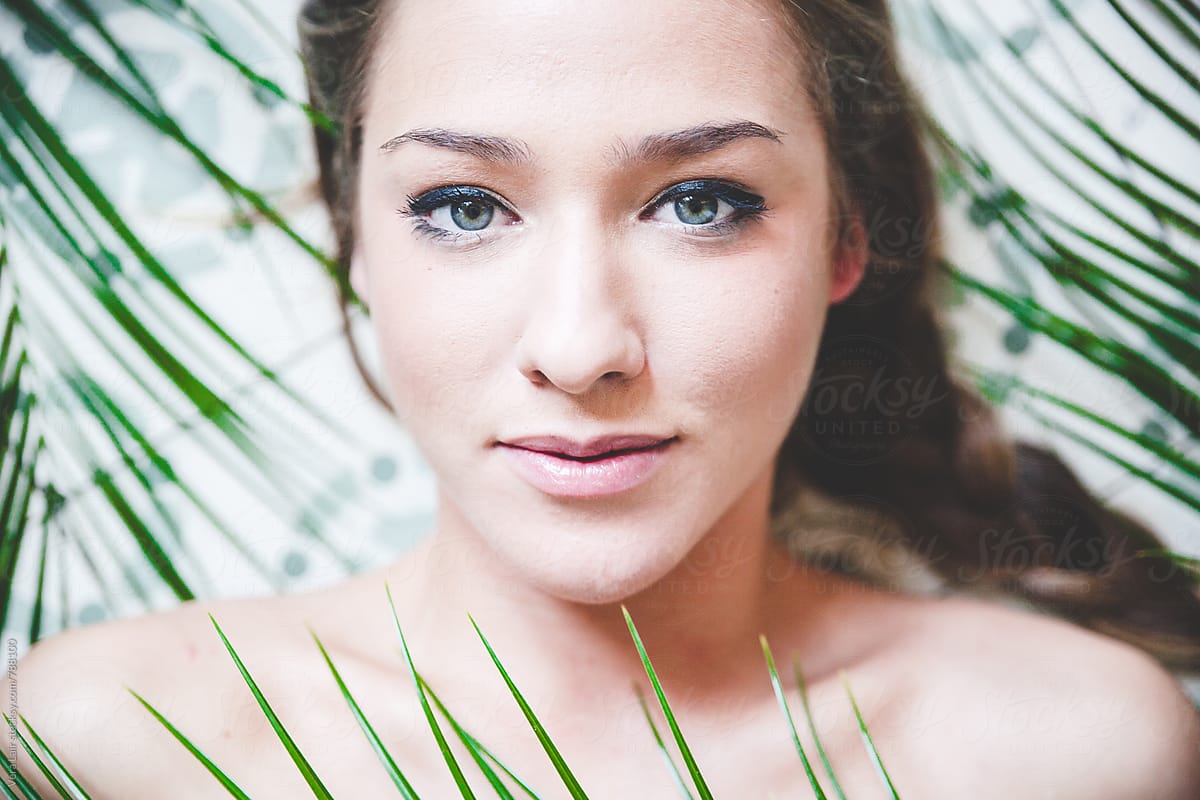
[{"x": 593, "y": 447}]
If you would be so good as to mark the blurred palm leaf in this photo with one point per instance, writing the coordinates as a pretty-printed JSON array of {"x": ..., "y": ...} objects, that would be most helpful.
[
  {"x": 90, "y": 305},
  {"x": 1090, "y": 216}
]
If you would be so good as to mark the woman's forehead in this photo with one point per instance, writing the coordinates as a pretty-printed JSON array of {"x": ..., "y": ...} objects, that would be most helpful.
[
  {"x": 562, "y": 59},
  {"x": 711, "y": 25}
]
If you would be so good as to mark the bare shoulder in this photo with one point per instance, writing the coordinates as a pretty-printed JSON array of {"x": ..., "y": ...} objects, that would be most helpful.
[
  {"x": 75, "y": 689},
  {"x": 1030, "y": 702}
]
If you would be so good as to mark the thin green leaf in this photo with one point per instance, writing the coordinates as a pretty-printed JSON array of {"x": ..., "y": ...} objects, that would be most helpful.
[
  {"x": 475, "y": 749},
  {"x": 17, "y": 494},
  {"x": 149, "y": 545},
  {"x": 20, "y": 780},
  {"x": 50, "y": 140},
  {"x": 1177, "y": 66},
  {"x": 212, "y": 768},
  {"x": 27, "y": 788},
  {"x": 661, "y": 744},
  {"x": 11, "y": 771},
  {"x": 35, "y": 617},
  {"x": 463, "y": 786},
  {"x": 556, "y": 758},
  {"x": 1167, "y": 109},
  {"x": 310, "y": 776},
  {"x": 866, "y": 737},
  {"x": 787, "y": 713},
  {"x": 35, "y": 17},
  {"x": 1190, "y": 563},
  {"x": 477, "y": 746},
  {"x": 201, "y": 28},
  {"x": 376, "y": 743},
  {"x": 1061, "y": 102},
  {"x": 1166, "y": 12},
  {"x": 684, "y": 750},
  {"x": 1186, "y": 280},
  {"x": 802, "y": 687},
  {"x": 21, "y": 109},
  {"x": 1071, "y": 270},
  {"x": 1155, "y": 206},
  {"x": 1149, "y": 378},
  {"x": 1002, "y": 383},
  {"x": 68, "y": 780},
  {"x": 1189, "y": 498}
]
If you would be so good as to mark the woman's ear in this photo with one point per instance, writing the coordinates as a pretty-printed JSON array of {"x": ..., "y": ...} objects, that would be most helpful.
[
  {"x": 849, "y": 260},
  {"x": 358, "y": 274}
]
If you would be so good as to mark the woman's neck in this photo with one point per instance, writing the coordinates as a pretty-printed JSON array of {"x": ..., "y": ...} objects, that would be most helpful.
[{"x": 700, "y": 622}]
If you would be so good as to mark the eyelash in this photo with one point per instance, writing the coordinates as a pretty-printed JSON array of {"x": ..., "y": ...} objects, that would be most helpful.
[{"x": 747, "y": 208}]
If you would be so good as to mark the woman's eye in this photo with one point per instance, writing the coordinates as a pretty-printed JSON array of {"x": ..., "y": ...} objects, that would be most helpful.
[
  {"x": 452, "y": 212},
  {"x": 470, "y": 215},
  {"x": 707, "y": 207}
]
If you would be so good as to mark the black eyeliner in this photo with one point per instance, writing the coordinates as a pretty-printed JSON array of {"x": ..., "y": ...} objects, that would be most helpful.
[{"x": 734, "y": 195}]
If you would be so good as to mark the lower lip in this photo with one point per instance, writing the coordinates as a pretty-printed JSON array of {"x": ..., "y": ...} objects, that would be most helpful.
[{"x": 566, "y": 477}]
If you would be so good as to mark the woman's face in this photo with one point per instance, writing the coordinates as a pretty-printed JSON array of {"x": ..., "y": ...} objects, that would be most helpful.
[{"x": 640, "y": 244}]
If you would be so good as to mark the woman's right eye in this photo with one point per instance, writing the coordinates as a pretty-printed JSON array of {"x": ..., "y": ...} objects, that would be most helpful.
[{"x": 453, "y": 213}]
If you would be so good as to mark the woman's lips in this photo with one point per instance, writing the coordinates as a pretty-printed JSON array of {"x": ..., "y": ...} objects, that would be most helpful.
[{"x": 593, "y": 476}]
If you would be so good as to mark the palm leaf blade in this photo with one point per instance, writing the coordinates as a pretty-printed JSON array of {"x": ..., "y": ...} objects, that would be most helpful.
[
  {"x": 364, "y": 724},
  {"x": 306, "y": 770},
  {"x": 684, "y": 750},
  {"x": 560, "y": 765},
  {"x": 213, "y": 769}
]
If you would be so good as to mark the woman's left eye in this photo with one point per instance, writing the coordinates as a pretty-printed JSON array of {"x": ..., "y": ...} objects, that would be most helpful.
[{"x": 705, "y": 207}]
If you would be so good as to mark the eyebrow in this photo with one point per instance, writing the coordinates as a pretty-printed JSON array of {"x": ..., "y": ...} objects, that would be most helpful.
[{"x": 657, "y": 147}]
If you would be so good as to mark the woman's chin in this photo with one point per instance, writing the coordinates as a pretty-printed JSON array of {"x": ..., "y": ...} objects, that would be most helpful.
[{"x": 594, "y": 573}]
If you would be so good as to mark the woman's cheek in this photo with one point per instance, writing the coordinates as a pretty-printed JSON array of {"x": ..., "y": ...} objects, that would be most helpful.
[
  {"x": 432, "y": 368},
  {"x": 750, "y": 355}
]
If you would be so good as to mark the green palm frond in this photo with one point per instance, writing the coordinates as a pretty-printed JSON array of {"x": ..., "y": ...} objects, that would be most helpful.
[
  {"x": 18, "y": 467},
  {"x": 1119, "y": 248},
  {"x": 868, "y": 742},
  {"x": 385, "y": 758},
  {"x": 1187, "y": 562},
  {"x": 662, "y": 747},
  {"x": 225, "y": 781},
  {"x": 684, "y": 750},
  {"x": 451, "y": 762},
  {"x": 787, "y": 713},
  {"x": 802, "y": 689},
  {"x": 302, "y": 765},
  {"x": 478, "y": 751},
  {"x": 76, "y": 454},
  {"x": 60, "y": 778},
  {"x": 560, "y": 765}
]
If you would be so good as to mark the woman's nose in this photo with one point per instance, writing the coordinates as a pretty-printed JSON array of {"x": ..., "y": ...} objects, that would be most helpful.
[{"x": 581, "y": 321}]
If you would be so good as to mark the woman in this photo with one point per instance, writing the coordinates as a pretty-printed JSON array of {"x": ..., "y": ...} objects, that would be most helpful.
[{"x": 636, "y": 275}]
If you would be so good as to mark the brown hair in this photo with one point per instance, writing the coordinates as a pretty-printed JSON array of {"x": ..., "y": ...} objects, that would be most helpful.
[{"x": 884, "y": 421}]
